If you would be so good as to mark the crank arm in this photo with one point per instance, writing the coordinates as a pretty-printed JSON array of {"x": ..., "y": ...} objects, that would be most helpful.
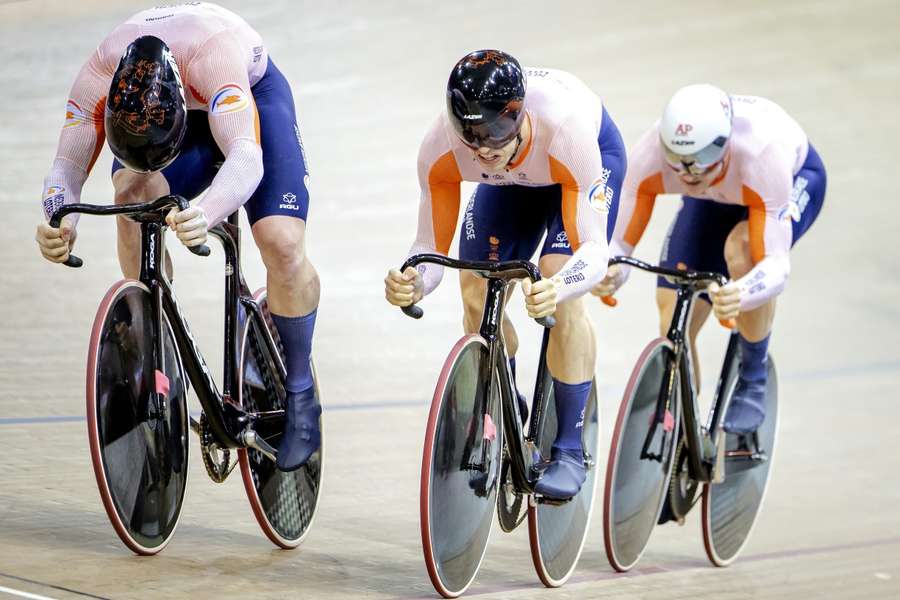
[{"x": 250, "y": 439}]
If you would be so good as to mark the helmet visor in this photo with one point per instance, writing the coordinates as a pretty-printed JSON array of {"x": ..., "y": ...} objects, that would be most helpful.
[
  {"x": 698, "y": 162},
  {"x": 495, "y": 134}
]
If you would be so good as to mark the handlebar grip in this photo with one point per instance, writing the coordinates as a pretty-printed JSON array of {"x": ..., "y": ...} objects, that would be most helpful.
[
  {"x": 547, "y": 322},
  {"x": 73, "y": 261},
  {"x": 413, "y": 311},
  {"x": 200, "y": 250},
  {"x": 728, "y": 323},
  {"x": 609, "y": 301}
]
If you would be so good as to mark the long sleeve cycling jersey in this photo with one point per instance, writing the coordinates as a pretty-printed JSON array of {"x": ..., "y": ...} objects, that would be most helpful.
[
  {"x": 565, "y": 117},
  {"x": 219, "y": 57},
  {"x": 767, "y": 147}
]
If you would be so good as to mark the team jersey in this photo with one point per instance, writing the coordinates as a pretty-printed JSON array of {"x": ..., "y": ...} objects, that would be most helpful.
[
  {"x": 565, "y": 119},
  {"x": 767, "y": 147},
  {"x": 219, "y": 57}
]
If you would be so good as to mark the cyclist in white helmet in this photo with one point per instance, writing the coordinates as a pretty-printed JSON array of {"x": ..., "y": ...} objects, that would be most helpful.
[{"x": 751, "y": 185}]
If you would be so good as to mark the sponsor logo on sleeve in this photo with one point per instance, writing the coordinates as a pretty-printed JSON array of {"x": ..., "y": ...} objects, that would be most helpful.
[
  {"x": 54, "y": 198},
  {"x": 227, "y": 100},
  {"x": 600, "y": 195},
  {"x": 74, "y": 114}
]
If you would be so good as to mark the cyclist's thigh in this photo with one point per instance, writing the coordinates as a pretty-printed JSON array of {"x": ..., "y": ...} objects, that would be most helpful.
[
  {"x": 696, "y": 238},
  {"x": 809, "y": 193},
  {"x": 195, "y": 166},
  {"x": 504, "y": 222},
  {"x": 284, "y": 188}
]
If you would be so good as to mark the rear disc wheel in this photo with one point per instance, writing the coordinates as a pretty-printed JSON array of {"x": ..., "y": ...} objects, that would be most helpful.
[
  {"x": 558, "y": 531},
  {"x": 731, "y": 508},
  {"x": 284, "y": 504}
]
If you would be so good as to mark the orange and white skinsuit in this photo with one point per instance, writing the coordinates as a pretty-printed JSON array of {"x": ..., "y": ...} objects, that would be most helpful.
[
  {"x": 565, "y": 117},
  {"x": 219, "y": 57}
]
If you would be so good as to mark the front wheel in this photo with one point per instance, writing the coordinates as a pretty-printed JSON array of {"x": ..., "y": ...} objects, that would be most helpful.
[
  {"x": 284, "y": 503},
  {"x": 730, "y": 508},
  {"x": 137, "y": 418},
  {"x": 557, "y": 532},
  {"x": 461, "y": 465},
  {"x": 637, "y": 483}
]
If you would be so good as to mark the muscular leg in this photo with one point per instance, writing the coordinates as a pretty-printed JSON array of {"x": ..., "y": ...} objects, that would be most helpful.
[
  {"x": 293, "y": 296},
  {"x": 755, "y": 324},
  {"x": 665, "y": 301},
  {"x": 130, "y": 188},
  {"x": 747, "y": 409}
]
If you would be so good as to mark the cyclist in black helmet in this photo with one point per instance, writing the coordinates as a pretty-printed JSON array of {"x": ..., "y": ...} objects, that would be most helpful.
[
  {"x": 549, "y": 164},
  {"x": 189, "y": 101}
]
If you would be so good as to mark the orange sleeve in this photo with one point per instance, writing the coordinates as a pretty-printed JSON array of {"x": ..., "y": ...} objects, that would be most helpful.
[
  {"x": 647, "y": 191},
  {"x": 444, "y": 184},
  {"x": 756, "y": 220},
  {"x": 561, "y": 175}
]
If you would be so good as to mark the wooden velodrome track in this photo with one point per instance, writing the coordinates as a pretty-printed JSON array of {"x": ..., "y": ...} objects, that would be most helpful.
[{"x": 368, "y": 80}]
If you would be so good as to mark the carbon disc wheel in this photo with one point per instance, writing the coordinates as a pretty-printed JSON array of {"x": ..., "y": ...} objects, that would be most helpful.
[
  {"x": 461, "y": 466},
  {"x": 636, "y": 487},
  {"x": 137, "y": 419},
  {"x": 284, "y": 504}
]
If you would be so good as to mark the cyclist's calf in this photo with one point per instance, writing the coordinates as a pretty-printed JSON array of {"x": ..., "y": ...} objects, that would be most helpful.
[{"x": 292, "y": 279}]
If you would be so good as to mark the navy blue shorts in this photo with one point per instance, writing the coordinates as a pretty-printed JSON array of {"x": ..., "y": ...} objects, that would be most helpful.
[
  {"x": 284, "y": 186},
  {"x": 506, "y": 222},
  {"x": 696, "y": 239}
]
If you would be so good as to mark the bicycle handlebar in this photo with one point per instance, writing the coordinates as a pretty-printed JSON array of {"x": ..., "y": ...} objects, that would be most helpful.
[
  {"x": 507, "y": 270},
  {"x": 147, "y": 211},
  {"x": 679, "y": 277}
]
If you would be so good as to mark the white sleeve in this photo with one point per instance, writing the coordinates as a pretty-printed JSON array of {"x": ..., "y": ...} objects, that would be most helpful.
[{"x": 576, "y": 164}]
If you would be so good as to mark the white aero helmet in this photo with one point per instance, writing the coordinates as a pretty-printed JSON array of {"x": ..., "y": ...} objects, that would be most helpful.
[{"x": 695, "y": 127}]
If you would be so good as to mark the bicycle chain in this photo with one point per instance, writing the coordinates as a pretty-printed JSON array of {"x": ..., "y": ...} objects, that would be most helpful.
[{"x": 216, "y": 460}]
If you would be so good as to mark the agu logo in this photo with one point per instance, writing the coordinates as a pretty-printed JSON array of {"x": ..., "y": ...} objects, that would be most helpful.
[{"x": 229, "y": 99}]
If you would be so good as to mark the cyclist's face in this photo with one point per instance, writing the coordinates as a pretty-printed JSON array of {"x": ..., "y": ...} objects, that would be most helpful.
[{"x": 495, "y": 159}]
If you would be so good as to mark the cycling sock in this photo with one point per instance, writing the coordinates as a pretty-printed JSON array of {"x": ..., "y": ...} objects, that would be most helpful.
[
  {"x": 296, "y": 336},
  {"x": 753, "y": 359},
  {"x": 512, "y": 367},
  {"x": 571, "y": 398}
]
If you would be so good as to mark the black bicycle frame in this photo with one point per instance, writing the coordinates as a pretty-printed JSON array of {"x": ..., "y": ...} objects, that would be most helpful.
[
  {"x": 689, "y": 284},
  {"x": 226, "y": 419},
  {"x": 499, "y": 275}
]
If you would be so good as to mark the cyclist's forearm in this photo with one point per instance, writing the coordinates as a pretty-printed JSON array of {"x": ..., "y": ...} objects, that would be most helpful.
[
  {"x": 764, "y": 281},
  {"x": 584, "y": 270},
  {"x": 235, "y": 182},
  {"x": 62, "y": 186},
  {"x": 431, "y": 273}
]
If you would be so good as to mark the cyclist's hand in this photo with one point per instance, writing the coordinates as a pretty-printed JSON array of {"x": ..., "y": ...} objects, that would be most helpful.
[
  {"x": 616, "y": 276},
  {"x": 540, "y": 297},
  {"x": 56, "y": 242},
  {"x": 189, "y": 225},
  {"x": 403, "y": 289},
  {"x": 726, "y": 300}
]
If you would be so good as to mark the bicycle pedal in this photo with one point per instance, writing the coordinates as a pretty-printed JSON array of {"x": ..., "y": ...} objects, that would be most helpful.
[{"x": 551, "y": 501}]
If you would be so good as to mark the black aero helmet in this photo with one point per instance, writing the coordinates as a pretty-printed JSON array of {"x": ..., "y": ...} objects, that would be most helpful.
[
  {"x": 486, "y": 98},
  {"x": 146, "y": 114}
]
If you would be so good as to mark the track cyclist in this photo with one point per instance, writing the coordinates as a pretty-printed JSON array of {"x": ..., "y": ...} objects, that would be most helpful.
[
  {"x": 188, "y": 99},
  {"x": 546, "y": 160},
  {"x": 751, "y": 186}
]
